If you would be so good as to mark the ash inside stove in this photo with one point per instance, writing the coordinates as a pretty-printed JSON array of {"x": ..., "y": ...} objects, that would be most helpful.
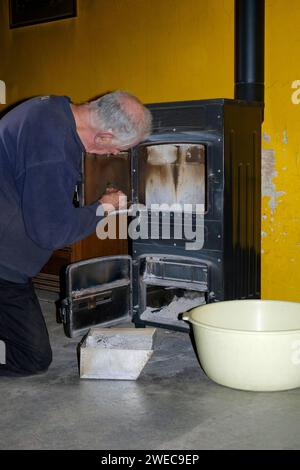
[{"x": 166, "y": 305}]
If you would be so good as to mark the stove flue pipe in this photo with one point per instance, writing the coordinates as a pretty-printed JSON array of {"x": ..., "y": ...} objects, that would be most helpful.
[{"x": 249, "y": 50}]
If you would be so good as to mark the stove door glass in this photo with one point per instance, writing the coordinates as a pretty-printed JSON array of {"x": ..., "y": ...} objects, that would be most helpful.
[{"x": 172, "y": 175}]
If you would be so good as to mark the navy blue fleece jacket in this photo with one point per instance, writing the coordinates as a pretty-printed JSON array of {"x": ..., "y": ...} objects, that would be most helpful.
[{"x": 40, "y": 164}]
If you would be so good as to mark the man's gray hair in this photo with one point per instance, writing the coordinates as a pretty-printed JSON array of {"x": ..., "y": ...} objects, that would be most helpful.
[{"x": 123, "y": 113}]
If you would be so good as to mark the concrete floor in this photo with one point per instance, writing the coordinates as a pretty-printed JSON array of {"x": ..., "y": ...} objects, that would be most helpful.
[{"x": 173, "y": 405}]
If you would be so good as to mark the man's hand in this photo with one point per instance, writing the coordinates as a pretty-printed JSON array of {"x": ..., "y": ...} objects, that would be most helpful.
[{"x": 113, "y": 199}]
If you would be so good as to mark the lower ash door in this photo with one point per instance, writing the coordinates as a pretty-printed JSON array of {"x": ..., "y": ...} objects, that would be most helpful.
[{"x": 98, "y": 293}]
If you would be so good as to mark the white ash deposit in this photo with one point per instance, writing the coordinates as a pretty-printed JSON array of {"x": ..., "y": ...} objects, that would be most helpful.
[
  {"x": 170, "y": 312},
  {"x": 119, "y": 341}
]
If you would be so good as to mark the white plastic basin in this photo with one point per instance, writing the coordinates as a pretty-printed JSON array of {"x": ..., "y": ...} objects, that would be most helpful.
[{"x": 249, "y": 344}]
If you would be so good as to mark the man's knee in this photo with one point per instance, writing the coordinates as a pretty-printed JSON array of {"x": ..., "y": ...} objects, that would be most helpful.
[
  {"x": 40, "y": 361},
  {"x": 32, "y": 361},
  {"x": 26, "y": 363}
]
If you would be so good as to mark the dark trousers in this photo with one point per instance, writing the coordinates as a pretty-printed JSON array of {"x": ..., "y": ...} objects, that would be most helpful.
[{"x": 24, "y": 339}]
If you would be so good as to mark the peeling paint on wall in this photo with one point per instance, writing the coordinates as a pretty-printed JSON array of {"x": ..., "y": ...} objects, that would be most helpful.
[
  {"x": 268, "y": 173},
  {"x": 266, "y": 137}
]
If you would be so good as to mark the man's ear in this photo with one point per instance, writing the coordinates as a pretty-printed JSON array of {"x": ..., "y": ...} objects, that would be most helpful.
[{"x": 103, "y": 137}]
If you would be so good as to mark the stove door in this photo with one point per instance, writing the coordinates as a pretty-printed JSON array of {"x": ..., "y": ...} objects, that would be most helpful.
[
  {"x": 98, "y": 294},
  {"x": 101, "y": 171}
]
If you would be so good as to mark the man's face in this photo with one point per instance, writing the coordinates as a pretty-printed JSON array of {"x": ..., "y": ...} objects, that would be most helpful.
[
  {"x": 110, "y": 148},
  {"x": 105, "y": 144}
]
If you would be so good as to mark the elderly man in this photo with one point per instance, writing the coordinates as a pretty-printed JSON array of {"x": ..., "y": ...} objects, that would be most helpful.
[{"x": 41, "y": 146}]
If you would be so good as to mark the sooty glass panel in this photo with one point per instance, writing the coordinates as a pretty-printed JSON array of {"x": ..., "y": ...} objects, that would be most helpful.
[{"x": 172, "y": 174}]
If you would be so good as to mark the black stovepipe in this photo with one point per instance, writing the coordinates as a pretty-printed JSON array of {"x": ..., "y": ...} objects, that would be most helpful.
[{"x": 249, "y": 50}]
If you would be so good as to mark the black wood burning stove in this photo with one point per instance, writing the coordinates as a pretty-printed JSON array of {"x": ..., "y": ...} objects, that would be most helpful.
[{"x": 204, "y": 155}]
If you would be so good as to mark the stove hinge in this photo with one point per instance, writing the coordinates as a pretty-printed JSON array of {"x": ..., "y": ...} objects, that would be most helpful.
[{"x": 64, "y": 308}]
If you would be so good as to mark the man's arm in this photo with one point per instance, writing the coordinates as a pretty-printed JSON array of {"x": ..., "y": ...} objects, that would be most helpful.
[{"x": 50, "y": 218}]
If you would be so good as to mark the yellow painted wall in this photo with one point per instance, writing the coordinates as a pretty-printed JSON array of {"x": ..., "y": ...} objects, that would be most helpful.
[
  {"x": 164, "y": 50},
  {"x": 158, "y": 49},
  {"x": 281, "y": 224}
]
